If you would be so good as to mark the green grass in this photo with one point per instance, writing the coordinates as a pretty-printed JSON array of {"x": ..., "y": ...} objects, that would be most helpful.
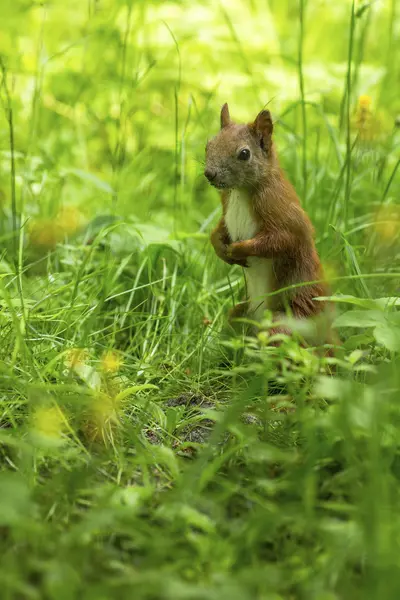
[{"x": 146, "y": 450}]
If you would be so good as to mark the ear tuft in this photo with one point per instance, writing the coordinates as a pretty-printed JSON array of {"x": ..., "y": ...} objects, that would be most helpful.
[
  {"x": 225, "y": 118},
  {"x": 263, "y": 127}
]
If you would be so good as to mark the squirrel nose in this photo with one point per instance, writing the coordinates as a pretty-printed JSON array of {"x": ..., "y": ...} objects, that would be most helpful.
[{"x": 210, "y": 174}]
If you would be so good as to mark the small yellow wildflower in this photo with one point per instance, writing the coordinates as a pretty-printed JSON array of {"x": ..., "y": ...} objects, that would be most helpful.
[
  {"x": 387, "y": 223},
  {"x": 111, "y": 362},
  {"x": 364, "y": 101},
  {"x": 69, "y": 219},
  {"x": 103, "y": 418},
  {"x": 47, "y": 233},
  {"x": 49, "y": 422},
  {"x": 366, "y": 123},
  {"x": 104, "y": 409},
  {"x": 44, "y": 233}
]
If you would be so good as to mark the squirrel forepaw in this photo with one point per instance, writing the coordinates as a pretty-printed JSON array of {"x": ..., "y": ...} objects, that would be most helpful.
[{"x": 236, "y": 251}]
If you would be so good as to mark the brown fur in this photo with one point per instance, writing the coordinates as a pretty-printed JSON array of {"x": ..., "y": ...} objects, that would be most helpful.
[{"x": 285, "y": 233}]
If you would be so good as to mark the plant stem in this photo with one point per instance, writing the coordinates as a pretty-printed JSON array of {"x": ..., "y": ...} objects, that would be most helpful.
[
  {"x": 17, "y": 231},
  {"x": 176, "y": 106},
  {"x": 348, "y": 121},
  {"x": 303, "y": 105}
]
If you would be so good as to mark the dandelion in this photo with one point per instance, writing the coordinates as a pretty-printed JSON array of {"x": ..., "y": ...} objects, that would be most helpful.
[
  {"x": 49, "y": 423},
  {"x": 365, "y": 102},
  {"x": 111, "y": 362},
  {"x": 47, "y": 233},
  {"x": 103, "y": 418},
  {"x": 387, "y": 223},
  {"x": 365, "y": 123},
  {"x": 104, "y": 409}
]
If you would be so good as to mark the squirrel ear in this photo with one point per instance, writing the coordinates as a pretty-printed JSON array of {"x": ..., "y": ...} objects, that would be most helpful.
[
  {"x": 263, "y": 127},
  {"x": 225, "y": 118}
]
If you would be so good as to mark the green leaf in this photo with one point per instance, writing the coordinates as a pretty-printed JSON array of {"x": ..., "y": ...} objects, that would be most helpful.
[
  {"x": 372, "y": 303},
  {"x": 134, "y": 390},
  {"x": 360, "y": 318},
  {"x": 360, "y": 339},
  {"x": 389, "y": 302},
  {"x": 332, "y": 389},
  {"x": 355, "y": 356},
  {"x": 93, "y": 179},
  {"x": 388, "y": 336},
  {"x": 131, "y": 238},
  {"x": 166, "y": 457},
  {"x": 180, "y": 235}
]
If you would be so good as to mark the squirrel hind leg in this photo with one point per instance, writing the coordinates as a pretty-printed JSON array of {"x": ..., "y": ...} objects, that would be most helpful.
[{"x": 238, "y": 311}]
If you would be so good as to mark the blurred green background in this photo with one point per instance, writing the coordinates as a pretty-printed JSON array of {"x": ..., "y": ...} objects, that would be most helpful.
[{"x": 127, "y": 93}]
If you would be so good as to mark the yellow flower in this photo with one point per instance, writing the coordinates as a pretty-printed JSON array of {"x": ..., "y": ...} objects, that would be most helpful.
[
  {"x": 69, "y": 219},
  {"x": 364, "y": 101},
  {"x": 387, "y": 222},
  {"x": 76, "y": 357},
  {"x": 44, "y": 233},
  {"x": 104, "y": 409},
  {"x": 103, "y": 417},
  {"x": 111, "y": 362},
  {"x": 366, "y": 123},
  {"x": 49, "y": 421}
]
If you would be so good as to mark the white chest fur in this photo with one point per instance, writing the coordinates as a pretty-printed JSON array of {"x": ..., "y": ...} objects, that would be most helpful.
[
  {"x": 242, "y": 225},
  {"x": 239, "y": 218}
]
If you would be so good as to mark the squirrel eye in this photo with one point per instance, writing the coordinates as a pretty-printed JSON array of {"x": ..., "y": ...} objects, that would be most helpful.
[{"x": 244, "y": 154}]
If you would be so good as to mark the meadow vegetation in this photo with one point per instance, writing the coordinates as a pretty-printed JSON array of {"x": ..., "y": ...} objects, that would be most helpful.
[{"x": 146, "y": 451}]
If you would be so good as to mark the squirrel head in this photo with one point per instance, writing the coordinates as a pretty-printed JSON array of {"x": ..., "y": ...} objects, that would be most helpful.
[{"x": 240, "y": 156}]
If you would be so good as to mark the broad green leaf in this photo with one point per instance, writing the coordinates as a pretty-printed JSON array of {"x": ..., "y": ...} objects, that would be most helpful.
[
  {"x": 361, "y": 339},
  {"x": 360, "y": 318},
  {"x": 388, "y": 335},
  {"x": 133, "y": 237},
  {"x": 332, "y": 389},
  {"x": 157, "y": 414},
  {"x": 371, "y": 303},
  {"x": 388, "y": 302}
]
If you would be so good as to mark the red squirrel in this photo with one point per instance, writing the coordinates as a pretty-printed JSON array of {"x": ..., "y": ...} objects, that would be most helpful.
[{"x": 263, "y": 226}]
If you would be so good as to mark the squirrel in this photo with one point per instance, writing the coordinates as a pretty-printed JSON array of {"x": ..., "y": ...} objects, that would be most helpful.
[{"x": 263, "y": 226}]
